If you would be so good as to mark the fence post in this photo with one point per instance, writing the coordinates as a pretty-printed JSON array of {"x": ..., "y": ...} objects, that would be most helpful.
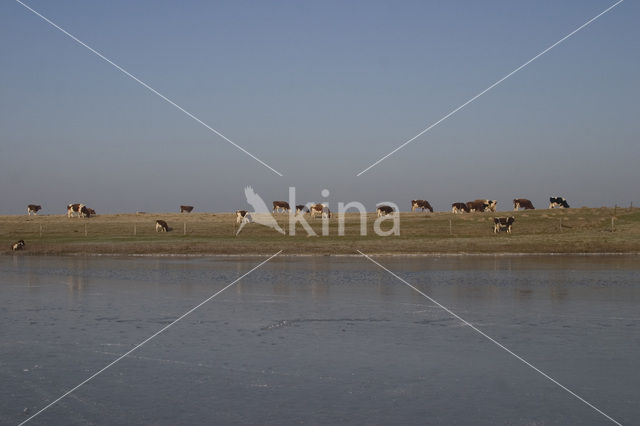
[
  {"x": 184, "y": 228},
  {"x": 560, "y": 224},
  {"x": 450, "y": 230},
  {"x": 40, "y": 230},
  {"x": 135, "y": 231},
  {"x": 613, "y": 228},
  {"x": 85, "y": 229}
]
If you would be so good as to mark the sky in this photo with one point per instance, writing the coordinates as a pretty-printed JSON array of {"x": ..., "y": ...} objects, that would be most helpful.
[{"x": 318, "y": 90}]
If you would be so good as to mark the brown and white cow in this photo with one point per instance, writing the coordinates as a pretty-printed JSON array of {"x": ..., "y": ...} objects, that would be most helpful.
[
  {"x": 459, "y": 208},
  {"x": 477, "y": 205},
  {"x": 162, "y": 226},
  {"x": 320, "y": 209},
  {"x": 241, "y": 215},
  {"x": 18, "y": 245},
  {"x": 78, "y": 209},
  {"x": 300, "y": 208},
  {"x": 384, "y": 210},
  {"x": 522, "y": 203},
  {"x": 277, "y": 205},
  {"x": 503, "y": 224},
  {"x": 33, "y": 208},
  {"x": 186, "y": 209},
  {"x": 421, "y": 204}
]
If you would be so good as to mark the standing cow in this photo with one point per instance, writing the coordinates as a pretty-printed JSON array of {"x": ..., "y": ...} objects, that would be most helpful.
[
  {"x": 33, "y": 208},
  {"x": 162, "y": 226},
  {"x": 186, "y": 209},
  {"x": 277, "y": 205},
  {"x": 459, "y": 208},
  {"x": 558, "y": 202}
]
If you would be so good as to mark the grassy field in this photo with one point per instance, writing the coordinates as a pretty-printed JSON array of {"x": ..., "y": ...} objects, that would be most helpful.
[{"x": 582, "y": 230}]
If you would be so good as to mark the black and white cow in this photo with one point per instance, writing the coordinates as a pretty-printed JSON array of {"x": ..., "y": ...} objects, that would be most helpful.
[
  {"x": 33, "y": 208},
  {"x": 162, "y": 226},
  {"x": 558, "y": 202},
  {"x": 503, "y": 224},
  {"x": 421, "y": 204},
  {"x": 384, "y": 210},
  {"x": 18, "y": 245},
  {"x": 522, "y": 203},
  {"x": 300, "y": 208}
]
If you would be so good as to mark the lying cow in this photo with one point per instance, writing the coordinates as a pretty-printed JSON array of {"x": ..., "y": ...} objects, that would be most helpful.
[
  {"x": 558, "y": 202},
  {"x": 242, "y": 216},
  {"x": 277, "y": 205},
  {"x": 459, "y": 208},
  {"x": 384, "y": 210},
  {"x": 78, "y": 209},
  {"x": 503, "y": 224},
  {"x": 18, "y": 245},
  {"x": 522, "y": 203},
  {"x": 186, "y": 209},
  {"x": 477, "y": 205},
  {"x": 320, "y": 209},
  {"x": 161, "y": 226},
  {"x": 33, "y": 208},
  {"x": 421, "y": 204}
]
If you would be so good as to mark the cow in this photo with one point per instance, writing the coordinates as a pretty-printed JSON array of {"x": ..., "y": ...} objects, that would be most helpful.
[
  {"x": 277, "y": 205},
  {"x": 186, "y": 209},
  {"x": 384, "y": 210},
  {"x": 558, "y": 202},
  {"x": 78, "y": 209},
  {"x": 18, "y": 245},
  {"x": 491, "y": 205},
  {"x": 90, "y": 212},
  {"x": 477, "y": 205},
  {"x": 320, "y": 209},
  {"x": 459, "y": 208},
  {"x": 241, "y": 215},
  {"x": 421, "y": 204},
  {"x": 33, "y": 208},
  {"x": 300, "y": 208},
  {"x": 161, "y": 226},
  {"x": 503, "y": 224},
  {"x": 522, "y": 203}
]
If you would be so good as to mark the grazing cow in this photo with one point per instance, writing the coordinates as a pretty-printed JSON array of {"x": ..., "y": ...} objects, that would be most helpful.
[
  {"x": 384, "y": 210},
  {"x": 522, "y": 203},
  {"x": 558, "y": 202},
  {"x": 161, "y": 226},
  {"x": 421, "y": 204},
  {"x": 91, "y": 212},
  {"x": 241, "y": 215},
  {"x": 78, "y": 209},
  {"x": 277, "y": 205},
  {"x": 459, "y": 208},
  {"x": 186, "y": 209},
  {"x": 33, "y": 208},
  {"x": 503, "y": 224},
  {"x": 300, "y": 208},
  {"x": 477, "y": 205},
  {"x": 320, "y": 209},
  {"x": 18, "y": 245}
]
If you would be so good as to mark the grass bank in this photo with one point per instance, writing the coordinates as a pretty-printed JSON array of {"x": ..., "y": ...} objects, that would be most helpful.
[{"x": 582, "y": 230}]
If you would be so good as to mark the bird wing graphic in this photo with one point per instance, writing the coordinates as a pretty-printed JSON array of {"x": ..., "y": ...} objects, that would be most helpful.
[{"x": 262, "y": 214}]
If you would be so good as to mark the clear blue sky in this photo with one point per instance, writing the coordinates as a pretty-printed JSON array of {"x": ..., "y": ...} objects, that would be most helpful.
[{"x": 319, "y": 90}]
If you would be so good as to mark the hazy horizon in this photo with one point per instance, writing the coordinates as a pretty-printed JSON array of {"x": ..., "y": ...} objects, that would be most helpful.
[{"x": 319, "y": 91}]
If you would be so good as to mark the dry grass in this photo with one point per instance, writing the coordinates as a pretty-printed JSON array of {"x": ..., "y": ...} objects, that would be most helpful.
[{"x": 584, "y": 230}]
